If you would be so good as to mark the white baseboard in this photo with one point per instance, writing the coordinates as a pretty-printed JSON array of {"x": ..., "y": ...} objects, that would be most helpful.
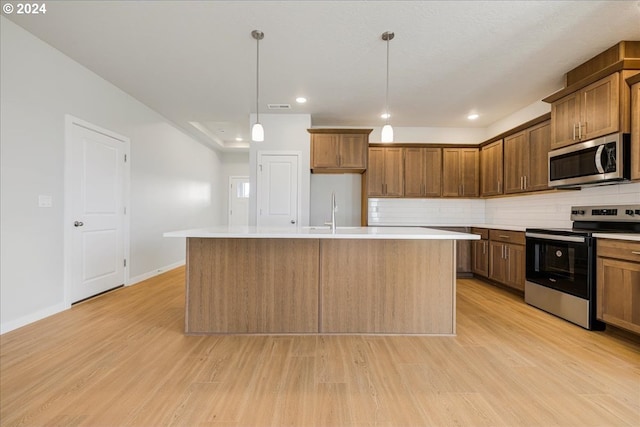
[
  {"x": 33, "y": 317},
  {"x": 49, "y": 311},
  {"x": 139, "y": 278}
]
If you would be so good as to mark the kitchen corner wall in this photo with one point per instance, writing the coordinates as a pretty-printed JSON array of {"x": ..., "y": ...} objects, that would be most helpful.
[{"x": 175, "y": 180}]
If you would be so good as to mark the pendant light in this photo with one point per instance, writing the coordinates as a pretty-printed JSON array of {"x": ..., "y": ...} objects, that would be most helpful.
[
  {"x": 257, "y": 131},
  {"x": 387, "y": 130}
]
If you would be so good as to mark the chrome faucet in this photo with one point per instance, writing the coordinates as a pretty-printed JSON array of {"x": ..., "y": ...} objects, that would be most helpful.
[{"x": 334, "y": 208}]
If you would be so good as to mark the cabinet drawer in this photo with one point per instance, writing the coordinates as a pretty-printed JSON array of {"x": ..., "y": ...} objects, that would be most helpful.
[
  {"x": 515, "y": 237},
  {"x": 619, "y": 249},
  {"x": 483, "y": 232}
]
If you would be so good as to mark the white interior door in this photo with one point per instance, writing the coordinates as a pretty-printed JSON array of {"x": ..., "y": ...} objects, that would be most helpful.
[
  {"x": 239, "y": 200},
  {"x": 97, "y": 209},
  {"x": 277, "y": 192}
]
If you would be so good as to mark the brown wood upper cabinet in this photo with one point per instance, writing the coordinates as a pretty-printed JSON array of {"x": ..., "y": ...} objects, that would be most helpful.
[
  {"x": 635, "y": 131},
  {"x": 422, "y": 172},
  {"x": 460, "y": 172},
  {"x": 339, "y": 150},
  {"x": 588, "y": 113},
  {"x": 491, "y": 169},
  {"x": 525, "y": 159},
  {"x": 385, "y": 173}
]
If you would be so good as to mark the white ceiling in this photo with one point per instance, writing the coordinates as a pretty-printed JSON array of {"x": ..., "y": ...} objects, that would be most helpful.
[{"x": 194, "y": 61}]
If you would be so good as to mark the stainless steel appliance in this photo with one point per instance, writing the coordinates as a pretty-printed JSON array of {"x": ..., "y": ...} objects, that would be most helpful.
[
  {"x": 561, "y": 263},
  {"x": 595, "y": 162}
]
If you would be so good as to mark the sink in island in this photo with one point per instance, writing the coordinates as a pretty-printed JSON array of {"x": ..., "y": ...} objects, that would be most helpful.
[{"x": 312, "y": 280}]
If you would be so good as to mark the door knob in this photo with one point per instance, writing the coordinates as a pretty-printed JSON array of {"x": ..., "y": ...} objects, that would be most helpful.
[
  {"x": 293, "y": 221},
  {"x": 78, "y": 224}
]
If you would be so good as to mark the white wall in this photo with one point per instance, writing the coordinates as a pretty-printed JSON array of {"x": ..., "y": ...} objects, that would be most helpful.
[
  {"x": 174, "y": 179},
  {"x": 529, "y": 112},
  {"x": 347, "y": 188},
  {"x": 283, "y": 132}
]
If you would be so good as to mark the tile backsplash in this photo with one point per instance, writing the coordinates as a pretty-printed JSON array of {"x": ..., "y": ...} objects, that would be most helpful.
[
  {"x": 551, "y": 210},
  {"x": 422, "y": 212}
]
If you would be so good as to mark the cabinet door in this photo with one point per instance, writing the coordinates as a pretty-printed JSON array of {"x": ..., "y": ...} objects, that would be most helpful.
[
  {"x": 451, "y": 174},
  {"x": 470, "y": 172},
  {"x": 565, "y": 115},
  {"x": 539, "y": 146},
  {"x": 325, "y": 150},
  {"x": 515, "y": 266},
  {"x": 618, "y": 299},
  {"x": 433, "y": 172},
  {"x": 375, "y": 172},
  {"x": 491, "y": 169},
  {"x": 393, "y": 172},
  {"x": 414, "y": 172},
  {"x": 480, "y": 257},
  {"x": 600, "y": 108},
  {"x": 516, "y": 162},
  {"x": 635, "y": 131},
  {"x": 497, "y": 262},
  {"x": 353, "y": 151}
]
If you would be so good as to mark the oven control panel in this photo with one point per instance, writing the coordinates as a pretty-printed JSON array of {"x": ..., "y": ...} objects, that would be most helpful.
[{"x": 617, "y": 213}]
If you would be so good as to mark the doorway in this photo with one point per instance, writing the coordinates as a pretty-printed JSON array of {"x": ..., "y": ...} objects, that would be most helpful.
[
  {"x": 239, "y": 191},
  {"x": 96, "y": 226}
]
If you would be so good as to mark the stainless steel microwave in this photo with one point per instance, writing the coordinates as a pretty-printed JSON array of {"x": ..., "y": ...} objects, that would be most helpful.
[{"x": 600, "y": 161}]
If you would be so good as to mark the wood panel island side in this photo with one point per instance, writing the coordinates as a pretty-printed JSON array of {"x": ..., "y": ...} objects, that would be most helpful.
[{"x": 356, "y": 280}]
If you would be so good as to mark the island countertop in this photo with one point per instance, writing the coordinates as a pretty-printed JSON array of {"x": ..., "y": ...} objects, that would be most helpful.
[{"x": 320, "y": 232}]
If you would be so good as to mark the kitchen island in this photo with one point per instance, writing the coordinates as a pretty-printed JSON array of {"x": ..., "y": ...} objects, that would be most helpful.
[{"x": 374, "y": 280}]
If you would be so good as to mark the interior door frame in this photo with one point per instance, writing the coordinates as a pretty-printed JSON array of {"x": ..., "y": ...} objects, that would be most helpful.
[
  {"x": 71, "y": 121},
  {"x": 259, "y": 155}
]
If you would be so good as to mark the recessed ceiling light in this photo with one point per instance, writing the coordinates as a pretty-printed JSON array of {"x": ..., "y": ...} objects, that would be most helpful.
[
  {"x": 239, "y": 139},
  {"x": 385, "y": 115},
  {"x": 301, "y": 100},
  {"x": 472, "y": 116}
]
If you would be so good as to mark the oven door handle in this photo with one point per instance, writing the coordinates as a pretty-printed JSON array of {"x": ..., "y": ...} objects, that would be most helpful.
[{"x": 556, "y": 237}]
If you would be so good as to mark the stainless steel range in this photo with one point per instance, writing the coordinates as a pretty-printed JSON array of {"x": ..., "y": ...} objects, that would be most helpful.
[{"x": 561, "y": 263}]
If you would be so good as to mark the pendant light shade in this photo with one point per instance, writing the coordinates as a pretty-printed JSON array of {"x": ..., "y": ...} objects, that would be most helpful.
[
  {"x": 257, "y": 131},
  {"x": 387, "y": 130},
  {"x": 387, "y": 133}
]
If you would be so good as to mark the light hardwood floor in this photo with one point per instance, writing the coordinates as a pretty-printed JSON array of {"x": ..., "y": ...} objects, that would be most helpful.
[{"x": 122, "y": 360}]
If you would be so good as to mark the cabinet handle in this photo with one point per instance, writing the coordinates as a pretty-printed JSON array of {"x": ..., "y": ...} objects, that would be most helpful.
[
  {"x": 502, "y": 251},
  {"x": 525, "y": 182},
  {"x": 506, "y": 252},
  {"x": 484, "y": 248},
  {"x": 503, "y": 236},
  {"x": 574, "y": 131},
  {"x": 579, "y": 130},
  {"x": 635, "y": 252},
  {"x": 521, "y": 185}
]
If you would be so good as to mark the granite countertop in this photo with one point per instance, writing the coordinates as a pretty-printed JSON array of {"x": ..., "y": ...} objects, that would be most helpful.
[{"x": 390, "y": 233}]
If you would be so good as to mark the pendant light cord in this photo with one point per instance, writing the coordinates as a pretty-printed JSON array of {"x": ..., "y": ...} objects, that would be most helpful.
[
  {"x": 387, "y": 95},
  {"x": 257, "y": 79}
]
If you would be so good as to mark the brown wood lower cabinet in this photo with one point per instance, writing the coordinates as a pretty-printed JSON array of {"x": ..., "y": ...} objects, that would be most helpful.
[
  {"x": 506, "y": 258},
  {"x": 480, "y": 252},
  {"x": 618, "y": 283}
]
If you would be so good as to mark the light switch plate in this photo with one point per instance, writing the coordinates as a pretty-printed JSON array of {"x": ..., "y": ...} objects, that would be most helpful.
[{"x": 45, "y": 201}]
